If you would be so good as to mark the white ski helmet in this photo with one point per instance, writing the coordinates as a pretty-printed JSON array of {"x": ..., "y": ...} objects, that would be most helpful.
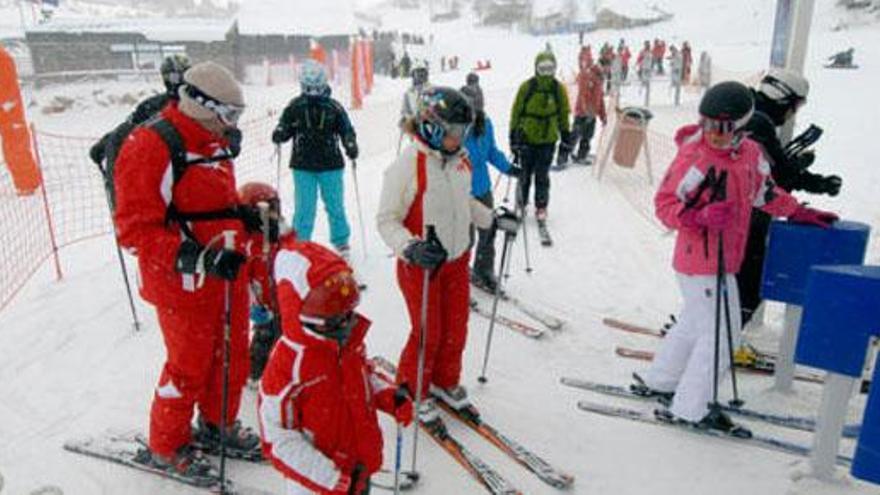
[
  {"x": 313, "y": 78},
  {"x": 784, "y": 86}
]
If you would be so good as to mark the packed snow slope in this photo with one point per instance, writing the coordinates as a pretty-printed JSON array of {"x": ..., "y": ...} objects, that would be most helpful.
[{"x": 71, "y": 365}]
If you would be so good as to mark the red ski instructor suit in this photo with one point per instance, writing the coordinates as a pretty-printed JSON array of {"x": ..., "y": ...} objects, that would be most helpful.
[
  {"x": 424, "y": 187},
  {"x": 190, "y": 308},
  {"x": 318, "y": 398}
]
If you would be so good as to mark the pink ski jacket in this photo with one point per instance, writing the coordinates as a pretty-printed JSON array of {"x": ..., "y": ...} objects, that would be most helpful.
[{"x": 749, "y": 184}]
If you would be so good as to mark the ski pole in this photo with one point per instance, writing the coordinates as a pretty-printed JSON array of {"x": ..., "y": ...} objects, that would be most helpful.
[
  {"x": 277, "y": 167},
  {"x": 357, "y": 197},
  {"x": 423, "y": 335},
  {"x": 736, "y": 402},
  {"x": 718, "y": 194},
  {"x": 122, "y": 265},
  {"x": 397, "y": 455},
  {"x": 228, "y": 243},
  {"x": 508, "y": 238},
  {"x": 522, "y": 209}
]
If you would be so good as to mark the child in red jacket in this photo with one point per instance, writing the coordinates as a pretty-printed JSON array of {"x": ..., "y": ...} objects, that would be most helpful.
[{"x": 319, "y": 395}]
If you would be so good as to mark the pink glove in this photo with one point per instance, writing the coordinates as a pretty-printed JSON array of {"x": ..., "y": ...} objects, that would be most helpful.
[
  {"x": 714, "y": 216},
  {"x": 812, "y": 216}
]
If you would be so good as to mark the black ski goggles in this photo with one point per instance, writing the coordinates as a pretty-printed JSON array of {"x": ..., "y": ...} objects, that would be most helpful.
[
  {"x": 228, "y": 113},
  {"x": 337, "y": 327}
]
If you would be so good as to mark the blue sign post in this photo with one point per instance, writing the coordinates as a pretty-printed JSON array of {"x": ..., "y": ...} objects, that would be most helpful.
[
  {"x": 841, "y": 316},
  {"x": 792, "y": 250}
]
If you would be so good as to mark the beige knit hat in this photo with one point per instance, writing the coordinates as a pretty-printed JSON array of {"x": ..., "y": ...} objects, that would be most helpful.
[{"x": 210, "y": 91}]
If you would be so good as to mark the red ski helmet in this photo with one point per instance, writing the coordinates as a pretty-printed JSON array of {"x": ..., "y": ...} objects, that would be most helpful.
[
  {"x": 334, "y": 297},
  {"x": 253, "y": 193}
]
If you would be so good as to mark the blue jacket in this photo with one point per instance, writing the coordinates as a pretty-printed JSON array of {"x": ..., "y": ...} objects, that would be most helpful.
[{"x": 481, "y": 150}]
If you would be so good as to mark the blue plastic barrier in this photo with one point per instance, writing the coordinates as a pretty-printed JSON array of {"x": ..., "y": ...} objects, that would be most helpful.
[{"x": 841, "y": 314}]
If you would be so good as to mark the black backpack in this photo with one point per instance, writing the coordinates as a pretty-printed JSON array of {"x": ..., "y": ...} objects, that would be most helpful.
[{"x": 179, "y": 164}]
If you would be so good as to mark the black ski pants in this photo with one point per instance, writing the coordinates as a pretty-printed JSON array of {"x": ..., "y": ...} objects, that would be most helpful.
[
  {"x": 748, "y": 280},
  {"x": 536, "y": 160},
  {"x": 484, "y": 258},
  {"x": 584, "y": 127}
]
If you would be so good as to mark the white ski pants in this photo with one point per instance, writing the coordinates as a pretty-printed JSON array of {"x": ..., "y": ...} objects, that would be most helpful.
[{"x": 685, "y": 360}]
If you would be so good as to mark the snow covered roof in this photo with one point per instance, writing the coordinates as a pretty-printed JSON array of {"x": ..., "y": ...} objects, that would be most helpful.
[
  {"x": 306, "y": 17},
  {"x": 586, "y": 11},
  {"x": 155, "y": 29},
  {"x": 634, "y": 9},
  {"x": 546, "y": 8}
]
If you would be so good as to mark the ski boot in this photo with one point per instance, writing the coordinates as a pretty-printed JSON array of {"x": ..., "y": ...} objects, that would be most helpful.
[
  {"x": 456, "y": 398},
  {"x": 187, "y": 462},
  {"x": 484, "y": 281},
  {"x": 641, "y": 389},
  {"x": 241, "y": 442},
  {"x": 428, "y": 412},
  {"x": 720, "y": 421}
]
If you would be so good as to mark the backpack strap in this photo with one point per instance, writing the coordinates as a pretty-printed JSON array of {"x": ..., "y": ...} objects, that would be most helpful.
[{"x": 179, "y": 163}]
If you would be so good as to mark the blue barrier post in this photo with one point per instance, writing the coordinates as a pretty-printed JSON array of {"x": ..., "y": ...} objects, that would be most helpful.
[
  {"x": 841, "y": 316},
  {"x": 792, "y": 250}
]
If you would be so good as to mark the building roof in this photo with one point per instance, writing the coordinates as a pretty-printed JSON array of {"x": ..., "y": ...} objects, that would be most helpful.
[
  {"x": 297, "y": 17},
  {"x": 155, "y": 29}
]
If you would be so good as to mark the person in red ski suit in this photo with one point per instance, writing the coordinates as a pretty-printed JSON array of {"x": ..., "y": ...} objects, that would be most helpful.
[
  {"x": 693, "y": 201},
  {"x": 585, "y": 57},
  {"x": 427, "y": 189},
  {"x": 687, "y": 61},
  {"x": 624, "y": 54},
  {"x": 188, "y": 266},
  {"x": 589, "y": 106},
  {"x": 658, "y": 52},
  {"x": 319, "y": 394}
]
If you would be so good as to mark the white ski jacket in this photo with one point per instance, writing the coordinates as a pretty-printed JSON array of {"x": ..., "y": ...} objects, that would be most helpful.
[{"x": 423, "y": 187}]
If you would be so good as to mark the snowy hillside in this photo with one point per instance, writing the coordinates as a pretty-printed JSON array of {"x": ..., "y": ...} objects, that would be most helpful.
[{"x": 70, "y": 363}]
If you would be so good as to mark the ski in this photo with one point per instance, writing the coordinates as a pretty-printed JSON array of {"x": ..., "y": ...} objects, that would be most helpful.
[
  {"x": 801, "y": 423},
  {"x": 526, "y": 458},
  {"x": 506, "y": 321},
  {"x": 532, "y": 311},
  {"x": 758, "y": 368},
  {"x": 384, "y": 480},
  {"x": 123, "y": 448},
  {"x": 629, "y": 327},
  {"x": 512, "y": 448},
  {"x": 766, "y": 442},
  {"x": 544, "y": 234},
  {"x": 482, "y": 472}
]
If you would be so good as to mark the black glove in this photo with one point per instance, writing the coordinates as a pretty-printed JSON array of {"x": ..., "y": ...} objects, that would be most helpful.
[
  {"x": 565, "y": 142},
  {"x": 351, "y": 149},
  {"x": 426, "y": 254},
  {"x": 358, "y": 482},
  {"x": 517, "y": 141},
  {"x": 250, "y": 217},
  {"x": 223, "y": 263},
  {"x": 514, "y": 171},
  {"x": 804, "y": 160},
  {"x": 278, "y": 136},
  {"x": 506, "y": 221},
  {"x": 832, "y": 185},
  {"x": 234, "y": 136}
]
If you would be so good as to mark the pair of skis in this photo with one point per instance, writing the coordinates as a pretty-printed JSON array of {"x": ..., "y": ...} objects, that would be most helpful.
[
  {"x": 494, "y": 482},
  {"x": 763, "y": 365},
  {"x": 763, "y": 441},
  {"x": 540, "y": 316}
]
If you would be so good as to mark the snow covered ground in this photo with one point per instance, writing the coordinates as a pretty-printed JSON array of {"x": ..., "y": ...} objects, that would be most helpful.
[{"x": 70, "y": 363}]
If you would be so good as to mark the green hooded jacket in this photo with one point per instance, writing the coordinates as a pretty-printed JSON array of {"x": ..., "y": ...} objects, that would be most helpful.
[{"x": 544, "y": 115}]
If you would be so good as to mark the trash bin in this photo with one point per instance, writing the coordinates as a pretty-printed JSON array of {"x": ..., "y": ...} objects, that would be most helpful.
[{"x": 631, "y": 136}]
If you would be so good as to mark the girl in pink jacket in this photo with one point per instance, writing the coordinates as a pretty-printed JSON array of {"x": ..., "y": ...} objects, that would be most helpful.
[{"x": 707, "y": 195}]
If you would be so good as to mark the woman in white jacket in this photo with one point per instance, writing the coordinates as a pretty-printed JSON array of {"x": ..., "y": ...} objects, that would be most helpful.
[{"x": 427, "y": 189}]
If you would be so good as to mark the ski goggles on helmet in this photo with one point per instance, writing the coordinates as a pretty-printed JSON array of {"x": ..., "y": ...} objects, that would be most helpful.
[
  {"x": 789, "y": 95},
  {"x": 228, "y": 113},
  {"x": 435, "y": 133},
  {"x": 546, "y": 68}
]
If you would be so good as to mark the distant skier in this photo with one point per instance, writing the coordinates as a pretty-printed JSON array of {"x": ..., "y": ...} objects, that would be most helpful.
[
  {"x": 704, "y": 70},
  {"x": 687, "y": 62},
  {"x": 410, "y": 104},
  {"x": 589, "y": 106},
  {"x": 539, "y": 119},
  {"x": 316, "y": 123},
  {"x": 694, "y": 201},
  {"x": 428, "y": 189},
  {"x": 172, "y": 70},
  {"x": 178, "y": 218},
  {"x": 658, "y": 52},
  {"x": 624, "y": 54},
  {"x": 842, "y": 59},
  {"x": 482, "y": 150},
  {"x": 778, "y": 97},
  {"x": 319, "y": 395},
  {"x": 645, "y": 63}
]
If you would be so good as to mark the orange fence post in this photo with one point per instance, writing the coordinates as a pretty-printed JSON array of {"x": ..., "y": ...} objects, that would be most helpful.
[
  {"x": 357, "y": 97},
  {"x": 14, "y": 130}
]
